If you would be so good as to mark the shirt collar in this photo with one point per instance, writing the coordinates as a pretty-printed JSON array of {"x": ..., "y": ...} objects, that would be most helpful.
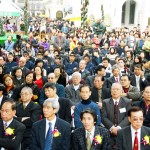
[
  {"x": 52, "y": 121},
  {"x": 92, "y": 132},
  {"x": 133, "y": 130},
  {"x": 8, "y": 123}
]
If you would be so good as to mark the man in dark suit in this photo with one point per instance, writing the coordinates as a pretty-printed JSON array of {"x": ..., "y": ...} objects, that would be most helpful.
[
  {"x": 65, "y": 104},
  {"x": 11, "y": 131},
  {"x": 3, "y": 98},
  {"x": 52, "y": 131},
  {"x": 99, "y": 93},
  {"x": 137, "y": 79},
  {"x": 27, "y": 112},
  {"x": 134, "y": 136},
  {"x": 144, "y": 104},
  {"x": 114, "y": 112},
  {"x": 84, "y": 138}
]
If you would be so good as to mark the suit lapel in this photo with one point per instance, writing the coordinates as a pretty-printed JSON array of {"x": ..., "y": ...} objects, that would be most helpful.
[
  {"x": 111, "y": 108},
  {"x": 143, "y": 133},
  {"x": 42, "y": 133},
  {"x": 96, "y": 132},
  {"x": 128, "y": 138}
]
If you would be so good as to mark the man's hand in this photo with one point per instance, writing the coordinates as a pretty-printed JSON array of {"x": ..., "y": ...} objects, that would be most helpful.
[
  {"x": 100, "y": 105},
  {"x": 114, "y": 130}
]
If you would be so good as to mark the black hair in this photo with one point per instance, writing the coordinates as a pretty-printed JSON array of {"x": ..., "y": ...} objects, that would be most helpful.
[
  {"x": 134, "y": 109},
  {"x": 125, "y": 75},
  {"x": 84, "y": 85},
  {"x": 13, "y": 107},
  {"x": 89, "y": 111},
  {"x": 106, "y": 59},
  {"x": 50, "y": 85}
]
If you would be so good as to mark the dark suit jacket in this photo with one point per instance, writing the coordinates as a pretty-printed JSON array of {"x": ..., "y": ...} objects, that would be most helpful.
[
  {"x": 11, "y": 142},
  {"x": 108, "y": 112},
  {"x": 33, "y": 111},
  {"x": 133, "y": 82},
  {"x": 78, "y": 139},
  {"x": 124, "y": 138},
  {"x": 108, "y": 82},
  {"x": 65, "y": 109},
  {"x": 59, "y": 143},
  {"x": 141, "y": 104},
  {"x": 95, "y": 97}
]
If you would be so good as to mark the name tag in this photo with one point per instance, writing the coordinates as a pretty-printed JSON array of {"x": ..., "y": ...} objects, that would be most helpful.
[{"x": 122, "y": 110}]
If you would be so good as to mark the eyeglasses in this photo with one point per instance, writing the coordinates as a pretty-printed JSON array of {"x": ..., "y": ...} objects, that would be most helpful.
[
  {"x": 138, "y": 119},
  {"x": 50, "y": 77}
]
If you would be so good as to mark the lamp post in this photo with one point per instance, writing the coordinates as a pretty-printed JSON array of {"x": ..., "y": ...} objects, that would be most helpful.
[{"x": 26, "y": 17}]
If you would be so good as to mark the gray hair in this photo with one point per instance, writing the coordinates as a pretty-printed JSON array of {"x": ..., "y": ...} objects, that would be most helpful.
[
  {"x": 27, "y": 89},
  {"x": 51, "y": 74},
  {"x": 117, "y": 84},
  {"x": 76, "y": 73},
  {"x": 115, "y": 67},
  {"x": 54, "y": 104}
]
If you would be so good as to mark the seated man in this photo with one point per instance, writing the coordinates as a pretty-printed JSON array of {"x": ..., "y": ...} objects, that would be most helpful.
[
  {"x": 50, "y": 133},
  {"x": 11, "y": 130},
  {"x": 134, "y": 136},
  {"x": 144, "y": 104},
  {"x": 84, "y": 138},
  {"x": 85, "y": 93},
  {"x": 27, "y": 112}
]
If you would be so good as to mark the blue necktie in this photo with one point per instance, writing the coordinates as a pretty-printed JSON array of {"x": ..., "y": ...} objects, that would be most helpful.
[{"x": 49, "y": 137}]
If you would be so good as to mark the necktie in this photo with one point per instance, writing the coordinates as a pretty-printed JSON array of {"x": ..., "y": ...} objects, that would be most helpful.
[
  {"x": 5, "y": 125},
  {"x": 117, "y": 79},
  {"x": 116, "y": 113},
  {"x": 49, "y": 137},
  {"x": 135, "y": 142},
  {"x": 88, "y": 141}
]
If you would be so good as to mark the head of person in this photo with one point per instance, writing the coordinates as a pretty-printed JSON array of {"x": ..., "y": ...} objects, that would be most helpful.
[
  {"x": 135, "y": 117},
  {"x": 22, "y": 62},
  {"x": 50, "y": 108},
  {"x": 76, "y": 78},
  {"x": 52, "y": 78},
  {"x": 2, "y": 89},
  {"x": 39, "y": 62},
  {"x": 50, "y": 90},
  {"x": 116, "y": 91},
  {"x": 26, "y": 94},
  {"x": 100, "y": 70},
  {"x": 8, "y": 80},
  {"x": 85, "y": 92},
  {"x": 82, "y": 64},
  {"x": 125, "y": 81},
  {"x": 38, "y": 70},
  {"x": 112, "y": 50},
  {"x": 57, "y": 71},
  {"x": 8, "y": 110},
  {"x": 10, "y": 57},
  {"x": 88, "y": 118},
  {"x": 9, "y": 38},
  {"x": 2, "y": 60},
  {"x": 137, "y": 69},
  {"x": 146, "y": 95},
  {"x": 58, "y": 60},
  {"x": 18, "y": 72},
  {"x": 39, "y": 55},
  {"x": 121, "y": 63},
  {"x": 93, "y": 45},
  {"x": 106, "y": 46},
  {"x": 106, "y": 62},
  {"x": 72, "y": 57},
  {"x": 137, "y": 59},
  {"x": 29, "y": 77},
  {"x": 116, "y": 70},
  {"x": 98, "y": 81}
]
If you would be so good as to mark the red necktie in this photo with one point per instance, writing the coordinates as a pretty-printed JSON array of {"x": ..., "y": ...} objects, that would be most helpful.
[
  {"x": 135, "y": 142},
  {"x": 117, "y": 79}
]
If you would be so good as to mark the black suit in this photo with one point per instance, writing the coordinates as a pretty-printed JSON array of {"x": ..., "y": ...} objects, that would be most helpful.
[
  {"x": 108, "y": 82},
  {"x": 65, "y": 109},
  {"x": 95, "y": 97},
  {"x": 141, "y": 83},
  {"x": 11, "y": 142},
  {"x": 59, "y": 143},
  {"x": 124, "y": 139},
  {"x": 141, "y": 104},
  {"x": 78, "y": 140},
  {"x": 34, "y": 112}
]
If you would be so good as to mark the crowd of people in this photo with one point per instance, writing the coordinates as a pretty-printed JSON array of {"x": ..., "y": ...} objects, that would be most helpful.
[{"x": 69, "y": 88}]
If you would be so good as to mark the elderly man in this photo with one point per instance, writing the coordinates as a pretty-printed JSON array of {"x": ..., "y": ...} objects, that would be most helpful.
[
  {"x": 11, "y": 130},
  {"x": 60, "y": 88},
  {"x": 51, "y": 132},
  {"x": 27, "y": 112},
  {"x": 114, "y": 112},
  {"x": 144, "y": 104},
  {"x": 9, "y": 44},
  {"x": 129, "y": 91},
  {"x": 135, "y": 136},
  {"x": 72, "y": 91}
]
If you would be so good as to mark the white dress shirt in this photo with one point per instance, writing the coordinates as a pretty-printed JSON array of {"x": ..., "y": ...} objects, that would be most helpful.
[
  {"x": 91, "y": 134},
  {"x": 47, "y": 125},
  {"x": 137, "y": 81},
  {"x": 1, "y": 100},
  {"x": 138, "y": 135}
]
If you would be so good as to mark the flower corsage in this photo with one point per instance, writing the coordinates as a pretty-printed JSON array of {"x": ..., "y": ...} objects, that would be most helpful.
[
  {"x": 146, "y": 140},
  {"x": 56, "y": 133},
  {"x": 98, "y": 139},
  {"x": 9, "y": 131}
]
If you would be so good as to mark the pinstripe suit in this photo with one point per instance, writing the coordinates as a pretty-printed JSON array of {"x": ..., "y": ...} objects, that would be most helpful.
[{"x": 78, "y": 140}]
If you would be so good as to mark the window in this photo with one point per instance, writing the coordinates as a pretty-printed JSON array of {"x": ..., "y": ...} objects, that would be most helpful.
[
  {"x": 123, "y": 13},
  {"x": 132, "y": 11}
]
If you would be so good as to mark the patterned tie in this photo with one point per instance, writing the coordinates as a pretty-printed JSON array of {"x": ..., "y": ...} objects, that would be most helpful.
[
  {"x": 49, "y": 137},
  {"x": 5, "y": 125},
  {"x": 88, "y": 141},
  {"x": 117, "y": 79},
  {"x": 135, "y": 142},
  {"x": 116, "y": 113}
]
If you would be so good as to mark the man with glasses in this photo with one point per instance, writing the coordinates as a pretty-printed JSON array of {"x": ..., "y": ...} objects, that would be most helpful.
[
  {"x": 11, "y": 130},
  {"x": 136, "y": 136},
  {"x": 27, "y": 112},
  {"x": 59, "y": 88},
  {"x": 144, "y": 104}
]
